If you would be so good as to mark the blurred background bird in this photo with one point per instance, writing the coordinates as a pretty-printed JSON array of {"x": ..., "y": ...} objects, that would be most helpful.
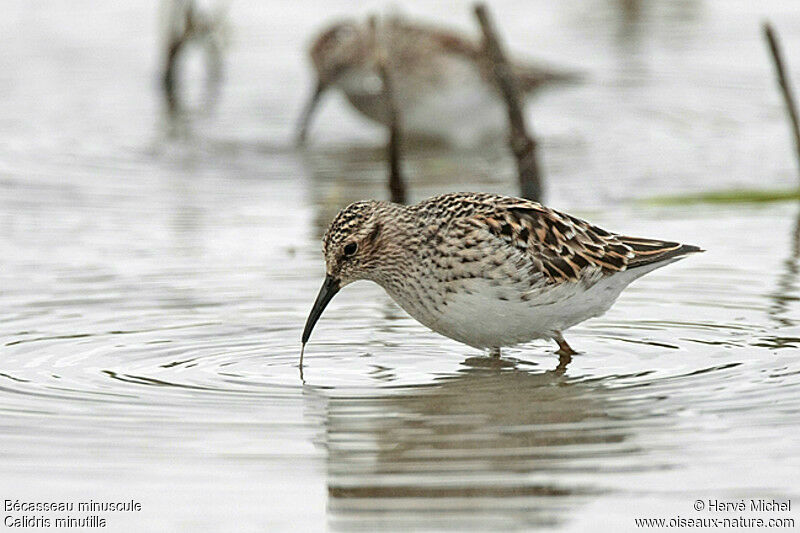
[{"x": 443, "y": 85}]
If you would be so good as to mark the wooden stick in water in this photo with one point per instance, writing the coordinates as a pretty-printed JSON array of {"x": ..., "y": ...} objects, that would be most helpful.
[
  {"x": 397, "y": 186},
  {"x": 783, "y": 82},
  {"x": 522, "y": 145}
]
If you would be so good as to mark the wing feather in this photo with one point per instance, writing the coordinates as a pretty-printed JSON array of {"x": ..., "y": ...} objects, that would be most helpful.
[{"x": 571, "y": 249}]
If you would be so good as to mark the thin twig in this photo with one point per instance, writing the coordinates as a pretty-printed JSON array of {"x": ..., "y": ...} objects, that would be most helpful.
[
  {"x": 168, "y": 79},
  {"x": 397, "y": 186},
  {"x": 522, "y": 145},
  {"x": 783, "y": 81}
]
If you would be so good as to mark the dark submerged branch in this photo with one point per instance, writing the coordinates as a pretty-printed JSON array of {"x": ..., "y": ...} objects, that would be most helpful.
[
  {"x": 522, "y": 145},
  {"x": 783, "y": 81}
]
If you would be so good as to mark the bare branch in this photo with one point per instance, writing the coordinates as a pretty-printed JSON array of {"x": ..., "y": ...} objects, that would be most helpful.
[
  {"x": 397, "y": 187},
  {"x": 783, "y": 81},
  {"x": 522, "y": 145}
]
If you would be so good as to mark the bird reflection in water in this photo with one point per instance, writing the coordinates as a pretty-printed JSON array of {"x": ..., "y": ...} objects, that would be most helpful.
[{"x": 499, "y": 444}]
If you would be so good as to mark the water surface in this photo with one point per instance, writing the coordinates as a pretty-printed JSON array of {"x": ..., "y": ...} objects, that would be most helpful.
[{"x": 153, "y": 287}]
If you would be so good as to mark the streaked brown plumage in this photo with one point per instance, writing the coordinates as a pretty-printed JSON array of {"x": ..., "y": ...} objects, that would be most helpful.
[{"x": 487, "y": 270}]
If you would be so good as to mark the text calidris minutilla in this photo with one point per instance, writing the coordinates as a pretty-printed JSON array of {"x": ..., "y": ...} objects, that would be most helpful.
[
  {"x": 486, "y": 270},
  {"x": 443, "y": 85}
]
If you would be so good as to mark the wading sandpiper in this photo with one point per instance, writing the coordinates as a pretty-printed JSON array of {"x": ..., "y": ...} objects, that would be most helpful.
[
  {"x": 443, "y": 85},
  {"x": 486, "y": 270}
]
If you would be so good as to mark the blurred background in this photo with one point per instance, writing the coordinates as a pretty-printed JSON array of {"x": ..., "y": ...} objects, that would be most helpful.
[{"x": 156, "y": 270}]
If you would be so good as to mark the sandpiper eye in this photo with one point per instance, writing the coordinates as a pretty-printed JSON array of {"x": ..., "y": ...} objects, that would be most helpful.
[{"x": 350, "y": 249}]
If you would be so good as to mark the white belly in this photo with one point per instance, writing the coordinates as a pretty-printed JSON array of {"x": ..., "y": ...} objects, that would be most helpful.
[
  {"x": 483, "y": 319},
  {"x": 454, "y": 103},
  {"x": 461, "y": 113}
]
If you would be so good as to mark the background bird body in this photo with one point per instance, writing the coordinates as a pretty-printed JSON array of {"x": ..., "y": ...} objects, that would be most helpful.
[
  {"x": 442, "y": 81},
  {"x": 457, "y": 106}
]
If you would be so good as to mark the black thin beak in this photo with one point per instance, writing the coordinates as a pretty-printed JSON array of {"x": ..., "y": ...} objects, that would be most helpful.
[
  {"x": 308, "y": 111},
  {"x": 329, "y": 289}
]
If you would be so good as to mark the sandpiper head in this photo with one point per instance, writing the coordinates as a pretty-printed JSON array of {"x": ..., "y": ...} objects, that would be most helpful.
[
  {"x": 354, "y": 248},
  {"x": 339, "y": 49},
  {"x": 353, "y": 245}
]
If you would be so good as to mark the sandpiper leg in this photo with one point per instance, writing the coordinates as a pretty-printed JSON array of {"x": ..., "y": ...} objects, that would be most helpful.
[
  {"x": 494, "y": 352},
  {"x": 563, "y": 347}
]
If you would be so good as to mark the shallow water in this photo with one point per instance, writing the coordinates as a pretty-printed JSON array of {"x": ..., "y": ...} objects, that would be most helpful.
[{"x": 154, "y": 287}]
